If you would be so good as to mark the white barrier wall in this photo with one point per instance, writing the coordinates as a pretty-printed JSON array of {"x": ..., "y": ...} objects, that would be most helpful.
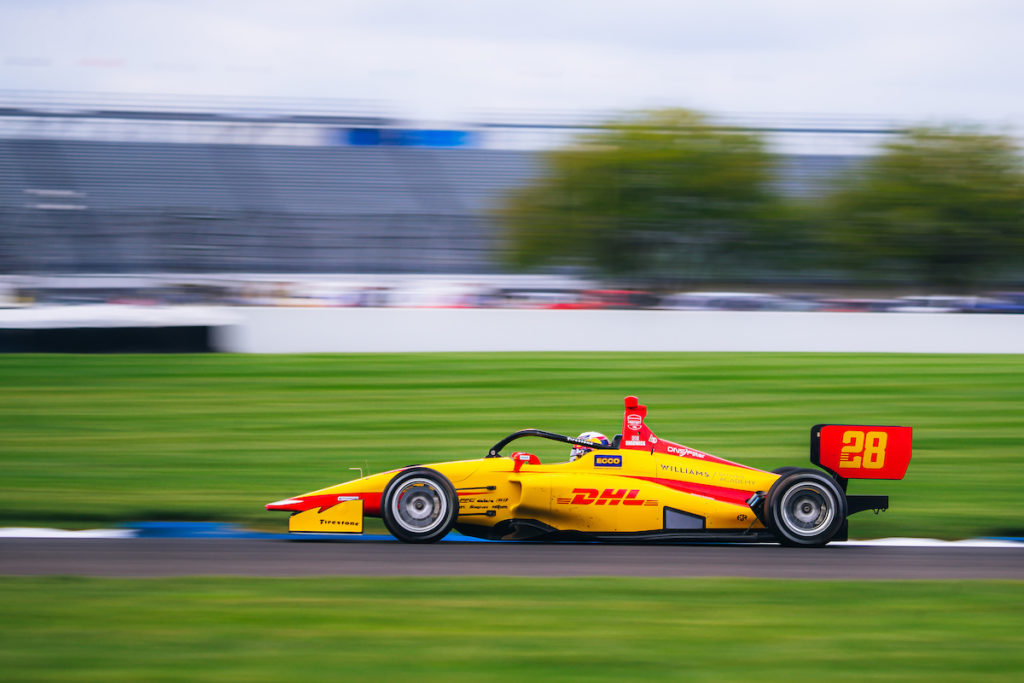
[{"x": 358, "y": 330}]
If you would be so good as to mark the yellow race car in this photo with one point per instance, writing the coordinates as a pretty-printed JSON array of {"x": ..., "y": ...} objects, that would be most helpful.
[{"x": 635, "y": 487}]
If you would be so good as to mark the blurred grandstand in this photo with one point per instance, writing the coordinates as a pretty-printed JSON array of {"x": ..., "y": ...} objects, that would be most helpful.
[{"x": 115, "y": 186}]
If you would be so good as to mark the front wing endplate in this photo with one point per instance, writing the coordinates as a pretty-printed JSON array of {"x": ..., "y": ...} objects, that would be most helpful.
[{"x": 344, "y": 518}]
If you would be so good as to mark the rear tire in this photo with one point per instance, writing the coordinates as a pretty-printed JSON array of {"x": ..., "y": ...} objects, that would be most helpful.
[
  {"x": 419, "y": 505},
  {"x": 805, "y": 508}
]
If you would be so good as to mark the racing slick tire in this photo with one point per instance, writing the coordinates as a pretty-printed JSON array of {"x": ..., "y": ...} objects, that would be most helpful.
[
  {"x": 805, "y": 508},
  {"x": 419, "y": 505},
  {"x": 785, "y": 470}
]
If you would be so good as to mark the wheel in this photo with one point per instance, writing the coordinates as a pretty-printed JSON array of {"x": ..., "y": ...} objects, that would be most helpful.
[
  {"x": 785, "y": 470},
  {"x": 805, "y": 508},
  {"x": 419, "y": 505}
]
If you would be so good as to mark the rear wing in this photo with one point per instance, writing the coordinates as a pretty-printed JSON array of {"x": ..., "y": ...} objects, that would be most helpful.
[{"x": 862, "y": 451}]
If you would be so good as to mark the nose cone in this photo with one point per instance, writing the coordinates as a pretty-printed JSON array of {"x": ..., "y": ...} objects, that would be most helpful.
[{"x": 296, "y": 504}]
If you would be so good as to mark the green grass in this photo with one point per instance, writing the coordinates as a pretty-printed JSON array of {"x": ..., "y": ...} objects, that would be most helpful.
[
  {"x": 94, "y": 440},
  {"x": 455, "y": 629}
]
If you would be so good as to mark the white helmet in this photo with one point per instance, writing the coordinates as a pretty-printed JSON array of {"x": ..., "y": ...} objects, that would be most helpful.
[{"x": 597, "y": 437}]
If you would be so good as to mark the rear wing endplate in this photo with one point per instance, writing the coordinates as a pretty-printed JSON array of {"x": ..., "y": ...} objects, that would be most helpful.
[{"x": 862, "y": 451}]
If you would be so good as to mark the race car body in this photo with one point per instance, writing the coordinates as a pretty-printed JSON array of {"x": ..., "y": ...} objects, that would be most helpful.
[{"x": 638, "y": 487}]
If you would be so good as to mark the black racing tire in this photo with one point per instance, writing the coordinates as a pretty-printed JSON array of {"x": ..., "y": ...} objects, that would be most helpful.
[
  {"x": 785, "y": 470},
  {"x": 419, "y": 505},
  {"x": 805, "y": 507}
]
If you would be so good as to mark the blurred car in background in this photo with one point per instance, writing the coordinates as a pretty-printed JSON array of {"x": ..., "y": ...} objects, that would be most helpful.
[
  {"x": 1001, "y": 302},
  {"x": 734, "y": 301},
  {"x": 938, "y": 303},
  {"x": 440, "y": 294},
  {"x": 511, "y": 297},
  {"x": 856, "y": 305},
  {"x": 610, "y": 299},
  {"x": 11, "y": 297}
]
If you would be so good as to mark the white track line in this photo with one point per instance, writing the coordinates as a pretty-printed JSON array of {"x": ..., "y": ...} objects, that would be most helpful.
[
  {"x": 36, "y": 532},
  {"x": 936, "y": 543}
]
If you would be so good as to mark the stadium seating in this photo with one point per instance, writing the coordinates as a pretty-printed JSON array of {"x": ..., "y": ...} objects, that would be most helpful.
[{"x": 91, "y": 205}]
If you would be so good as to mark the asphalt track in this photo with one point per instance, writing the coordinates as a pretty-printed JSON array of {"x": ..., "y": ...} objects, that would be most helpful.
[{"x": 152, "y": 557}]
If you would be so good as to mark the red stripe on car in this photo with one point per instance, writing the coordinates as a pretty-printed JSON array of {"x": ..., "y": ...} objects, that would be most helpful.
[
  {"x": 371, "y": 502},
  {"x": 722, "y": 493}
]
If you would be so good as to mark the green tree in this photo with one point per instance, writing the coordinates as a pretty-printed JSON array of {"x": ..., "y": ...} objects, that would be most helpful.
[
  {"x": 939, "y": 207},
  {"x": 663, "y": 194}
]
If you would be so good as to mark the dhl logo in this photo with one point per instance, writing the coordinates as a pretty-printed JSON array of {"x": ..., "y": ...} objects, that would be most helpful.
[{"x": 606, "y": 497}]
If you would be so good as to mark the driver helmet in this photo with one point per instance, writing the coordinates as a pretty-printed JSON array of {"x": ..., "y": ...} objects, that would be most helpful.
[{"x": 597, "y": 437}]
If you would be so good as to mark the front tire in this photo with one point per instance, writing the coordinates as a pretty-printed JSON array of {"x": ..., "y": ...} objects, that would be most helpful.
[
  {"x": 805, "y": 508},
  {"x": 419, "y": 505}
]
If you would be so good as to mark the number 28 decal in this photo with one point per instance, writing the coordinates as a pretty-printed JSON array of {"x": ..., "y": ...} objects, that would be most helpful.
[{"x": 863, "y": 449}]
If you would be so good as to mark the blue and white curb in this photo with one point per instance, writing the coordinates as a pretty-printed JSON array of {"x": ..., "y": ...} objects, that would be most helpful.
[{"x": 224, "y": 530}]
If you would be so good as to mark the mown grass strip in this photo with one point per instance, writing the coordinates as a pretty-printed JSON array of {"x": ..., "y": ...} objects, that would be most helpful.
[
  {"x": 216, "y": 629},
  {"x": 88, "y": 440}
]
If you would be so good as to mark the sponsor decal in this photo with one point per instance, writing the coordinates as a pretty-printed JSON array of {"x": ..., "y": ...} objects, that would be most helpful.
[
  {"x": 340, "y": 522},
  {"x": 483, "y": 504},
  {"x": 685, "y": 470},
  {"x": 654, "y": 439},
  {"x": 635, "y": 442},
  {"x": 606, "y": 497},
  {"x": 735, "y": 480},
  {"x": 741, "y": 518},
  {"x": 634, "y": 421},
  {"x": 608, "y": 460},
  {"x": 683, "y": 450}
]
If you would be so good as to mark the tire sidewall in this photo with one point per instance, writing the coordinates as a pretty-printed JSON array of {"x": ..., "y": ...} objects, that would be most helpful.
[
  {"x": 443, "y": 485},
  {"x": 777, "y": 521}
]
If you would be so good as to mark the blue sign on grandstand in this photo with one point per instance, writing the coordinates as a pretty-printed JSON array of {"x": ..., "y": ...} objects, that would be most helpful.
[{"x": 404, "y": 137}]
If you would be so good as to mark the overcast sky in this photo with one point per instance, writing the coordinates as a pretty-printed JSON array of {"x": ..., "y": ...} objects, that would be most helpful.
[{"x": 935, "y": 61}]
